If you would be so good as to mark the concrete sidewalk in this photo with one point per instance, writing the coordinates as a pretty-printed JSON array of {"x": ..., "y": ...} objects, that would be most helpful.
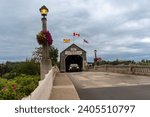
[{"x": 63, "y": 88}]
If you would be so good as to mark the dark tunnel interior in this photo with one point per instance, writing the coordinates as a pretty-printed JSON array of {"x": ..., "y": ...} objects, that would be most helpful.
[{"x": 73, "y": 59}]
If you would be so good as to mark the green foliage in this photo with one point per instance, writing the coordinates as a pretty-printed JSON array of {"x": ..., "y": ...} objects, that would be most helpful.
[
  {"x": 116, "y": 62},
  {"x": 11, "y": 70},
  {"x": 9, "y": 75},
  {"x": 53, "y": 54},
  {"x": 18, "y": 79},
  {"x": 144, "y": 62},
  {"x": 18, "y": 87},
  {"x": 4, "y": 68},
  {"x": 29, "y": 68},
  {"x": 2, "y": 83}
]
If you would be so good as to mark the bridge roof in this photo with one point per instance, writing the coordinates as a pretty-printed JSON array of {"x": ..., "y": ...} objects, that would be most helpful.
[{"x": 72, "y": 45}]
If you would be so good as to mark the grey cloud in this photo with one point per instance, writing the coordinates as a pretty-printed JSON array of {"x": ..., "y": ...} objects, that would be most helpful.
[{"x": 113, "y": 27}]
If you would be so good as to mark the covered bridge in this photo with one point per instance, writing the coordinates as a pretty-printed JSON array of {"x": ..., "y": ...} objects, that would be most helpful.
[{"x": 72, "y": 55}]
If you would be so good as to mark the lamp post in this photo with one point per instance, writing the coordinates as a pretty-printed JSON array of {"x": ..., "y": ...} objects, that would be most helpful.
[
  {"x": 95, "y": 53},
  {"x": 45, "y": 64}
]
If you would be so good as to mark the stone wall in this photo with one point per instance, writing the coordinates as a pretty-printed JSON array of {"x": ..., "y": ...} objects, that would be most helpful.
[
  {"x": 128, "y": 69},
  {"x": 43, "y": 91}
]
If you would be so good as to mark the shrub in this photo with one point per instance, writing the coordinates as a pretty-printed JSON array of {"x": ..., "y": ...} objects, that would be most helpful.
[
  {"x": 18, "y": 87},
  {"x": 9, "y": 75},
  {"x": 29, "y": 68}
]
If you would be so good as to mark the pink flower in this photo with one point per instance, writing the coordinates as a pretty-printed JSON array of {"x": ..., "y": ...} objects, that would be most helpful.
[
  {"x": 48, "y": 37},
  {"x": 14, "y": 87},
  {"x": 4, "y": 88}
]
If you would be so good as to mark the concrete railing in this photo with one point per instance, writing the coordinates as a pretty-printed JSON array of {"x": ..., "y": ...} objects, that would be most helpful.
[
  {"x": 43, "y": 91},
  {"x": 128, "y": 69}
]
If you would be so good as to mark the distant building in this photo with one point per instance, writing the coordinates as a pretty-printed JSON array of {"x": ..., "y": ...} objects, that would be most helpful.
[{"x": 72, "y": 55}]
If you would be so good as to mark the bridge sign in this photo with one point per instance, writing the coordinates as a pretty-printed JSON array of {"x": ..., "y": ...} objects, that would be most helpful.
[{"x": 73, "y": 52}]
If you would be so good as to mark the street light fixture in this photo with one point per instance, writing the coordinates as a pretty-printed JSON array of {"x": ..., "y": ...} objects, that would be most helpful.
[{"x": 44, "y": 10}]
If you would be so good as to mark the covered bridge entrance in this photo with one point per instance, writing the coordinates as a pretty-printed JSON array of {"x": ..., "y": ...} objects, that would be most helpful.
[{"x": 72, "y": 55}]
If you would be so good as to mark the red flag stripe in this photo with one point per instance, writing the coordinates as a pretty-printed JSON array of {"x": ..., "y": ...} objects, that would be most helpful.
[{"x": 76, "y": 34}]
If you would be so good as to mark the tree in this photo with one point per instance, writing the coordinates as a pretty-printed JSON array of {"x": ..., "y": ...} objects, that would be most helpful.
[
  {"x": 53, "y": 52},
  {"x": 37, "y": 54},
  {"x": 143, "y": 61}
]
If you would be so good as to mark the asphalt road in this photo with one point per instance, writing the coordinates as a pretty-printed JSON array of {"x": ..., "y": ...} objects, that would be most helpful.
[{"x": 110, "y": 86}]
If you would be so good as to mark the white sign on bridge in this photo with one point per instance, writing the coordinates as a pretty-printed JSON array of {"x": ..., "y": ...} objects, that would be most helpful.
[{"x": 73, "y": 52}]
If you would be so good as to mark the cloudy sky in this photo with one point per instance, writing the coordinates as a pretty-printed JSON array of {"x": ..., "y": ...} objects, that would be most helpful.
[{"x": 117, "y": 29}]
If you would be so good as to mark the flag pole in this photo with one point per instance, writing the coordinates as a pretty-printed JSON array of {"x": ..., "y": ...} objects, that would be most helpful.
[
  {"x": 73, "y": 38},
  {"x": 63, "y": 44},
  {"x": 83, "y": 43}
]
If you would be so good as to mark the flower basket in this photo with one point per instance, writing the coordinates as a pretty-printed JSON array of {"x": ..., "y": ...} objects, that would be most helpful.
[
  {"x": 44, "y": 37},
  {"x": 48, "y": 37},
  {"x": 41, "y": 39}
]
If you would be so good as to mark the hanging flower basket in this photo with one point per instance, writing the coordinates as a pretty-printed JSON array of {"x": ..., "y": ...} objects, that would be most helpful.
[
  {"x": 48, "y": 37},
  {"x": 41, "y": 38},
  {"x": 44, "y": 37}
]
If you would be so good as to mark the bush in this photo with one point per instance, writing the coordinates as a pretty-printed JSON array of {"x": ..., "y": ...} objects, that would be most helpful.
[
  {"x": 3, "y": 83},
  {"x": 9, "y": 75},
  {"x": 9, "y": 70},
  {"x": 18, "y": 87},
  {"x": 28, "y": 68}
]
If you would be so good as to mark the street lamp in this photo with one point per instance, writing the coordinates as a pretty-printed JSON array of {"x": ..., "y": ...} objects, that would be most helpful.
[
  {"x": 95, "y": 59},
  {"x": 95, "y": 52},
  {"x": 44, "y": 10},
  {"x": 45, "y": 65}
]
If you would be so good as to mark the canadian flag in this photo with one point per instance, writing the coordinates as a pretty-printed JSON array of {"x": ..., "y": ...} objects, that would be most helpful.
[{"x": 76, "y": 34}]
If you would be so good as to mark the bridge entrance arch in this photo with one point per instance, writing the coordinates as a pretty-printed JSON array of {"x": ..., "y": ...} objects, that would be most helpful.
[{"x": 72, "y": 55}]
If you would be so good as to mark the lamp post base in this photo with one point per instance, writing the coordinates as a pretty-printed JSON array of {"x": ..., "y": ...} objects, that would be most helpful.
[{"x": 45, "y": 66}]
